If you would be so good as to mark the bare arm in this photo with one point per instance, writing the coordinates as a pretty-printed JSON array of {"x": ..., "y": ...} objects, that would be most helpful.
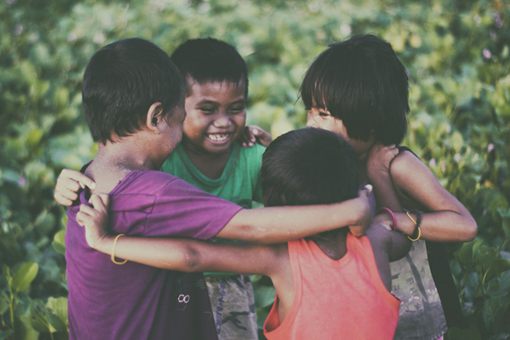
[
  {"x": 447, "y": 219},
  {"x": 378, "y": 171},
  {"x": 388, "y": 246},
  {"x": 175, "y": 254},
  {"x": 280, "y": 224}
]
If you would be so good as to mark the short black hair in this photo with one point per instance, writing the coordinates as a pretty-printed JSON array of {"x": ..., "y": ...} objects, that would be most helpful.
[
  {"x": 362, "y": 82},
  {"x": 309, "y": 166},
  {"x": 211, "y": 60},
  {"x": 122, "y": 80}
]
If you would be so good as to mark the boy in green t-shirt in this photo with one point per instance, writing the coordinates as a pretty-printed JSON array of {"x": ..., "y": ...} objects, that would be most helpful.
[{"x": 212, "y": 158}]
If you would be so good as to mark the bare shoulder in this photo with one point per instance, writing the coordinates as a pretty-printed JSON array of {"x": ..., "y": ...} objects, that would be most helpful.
[
  {"x": 405, "y": 163},
  {"x": 408, "y": 172}
]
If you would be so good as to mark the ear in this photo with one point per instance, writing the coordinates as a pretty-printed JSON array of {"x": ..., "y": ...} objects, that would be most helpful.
[{"x": 154, "y": 116}]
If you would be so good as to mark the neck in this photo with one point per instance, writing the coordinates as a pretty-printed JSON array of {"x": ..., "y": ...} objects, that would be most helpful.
[
  {"x": 332, "y": 243},
  {"x": 114, "y": 161},
  {"x": 210, "y": 164}
]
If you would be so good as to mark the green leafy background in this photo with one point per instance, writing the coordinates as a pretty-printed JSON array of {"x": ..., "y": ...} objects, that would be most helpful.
[{"x": 457, "y": 54}]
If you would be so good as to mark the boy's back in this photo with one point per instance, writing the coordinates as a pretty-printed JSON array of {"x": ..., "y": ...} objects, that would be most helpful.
[
  {"x": 340, "y": 283},
  {"x": 326, "y": 289},
  {"x": 148, "y": 203}
]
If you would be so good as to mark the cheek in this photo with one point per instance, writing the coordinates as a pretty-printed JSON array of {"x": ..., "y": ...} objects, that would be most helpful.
[
  {"x": 310, "y": 122},
  {"x": 193, "y": 124},
  {"x": 240, "y": 119}
]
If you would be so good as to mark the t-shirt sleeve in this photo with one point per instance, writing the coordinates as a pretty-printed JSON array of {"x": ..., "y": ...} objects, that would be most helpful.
[{"x": 180, "y": 209}]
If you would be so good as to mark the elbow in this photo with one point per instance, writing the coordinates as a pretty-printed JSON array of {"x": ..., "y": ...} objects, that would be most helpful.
[
  {"x": 192, "y": 260},
  {"x": 253, "y": 234},
  {"x": 471, "y": 229}
]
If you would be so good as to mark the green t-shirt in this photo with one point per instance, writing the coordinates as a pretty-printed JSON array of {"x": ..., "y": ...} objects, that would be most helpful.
[{"x": 239, "y": 182}]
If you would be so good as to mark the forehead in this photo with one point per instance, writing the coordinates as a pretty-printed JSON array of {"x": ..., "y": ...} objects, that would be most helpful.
[{"x": 216, "y": 90}]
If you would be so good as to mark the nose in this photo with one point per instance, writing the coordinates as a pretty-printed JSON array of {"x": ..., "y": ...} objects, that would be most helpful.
[
  {"x": 310, "y": 120},
  {"x": 222, "y": 121}
]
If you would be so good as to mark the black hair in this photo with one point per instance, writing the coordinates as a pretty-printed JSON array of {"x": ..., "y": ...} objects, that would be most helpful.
[
  {"x": 309, "y": 166},
  {"x": 122, "y": 80},
  {"x": 211, "y": 60},
  {"x": 362, "y": 82}
]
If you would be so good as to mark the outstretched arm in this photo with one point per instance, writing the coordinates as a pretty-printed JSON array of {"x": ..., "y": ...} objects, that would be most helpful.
[
  {"x": 175, "y": 254},
  {"x": 446, "y": 218},
  {"x": 280, "y": 224}
]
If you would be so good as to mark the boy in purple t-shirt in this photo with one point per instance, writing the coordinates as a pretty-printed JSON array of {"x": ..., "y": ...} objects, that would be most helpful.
[{"x": 133, "y": 101}]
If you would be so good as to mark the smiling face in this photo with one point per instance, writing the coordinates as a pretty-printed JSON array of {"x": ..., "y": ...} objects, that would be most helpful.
[{"x": 215, "y": 116}]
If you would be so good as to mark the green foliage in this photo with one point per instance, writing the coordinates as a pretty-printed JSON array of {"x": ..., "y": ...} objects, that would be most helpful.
[{"x": 457, "y": 54}]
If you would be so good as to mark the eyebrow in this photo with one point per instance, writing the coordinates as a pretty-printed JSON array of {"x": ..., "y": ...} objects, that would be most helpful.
[{"x": 212, "y": 101}]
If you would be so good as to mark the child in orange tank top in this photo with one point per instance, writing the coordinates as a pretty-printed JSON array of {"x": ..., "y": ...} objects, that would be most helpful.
[{"x": 324, "y": 284}]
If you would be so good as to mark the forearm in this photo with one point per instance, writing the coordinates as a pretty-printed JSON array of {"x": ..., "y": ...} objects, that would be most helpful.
[
  {"x": 281, "y": 224},
  {"x": 190, "y": 255},
  {"x": 172, "y": 254},
  {"x": 447, "y": 226}
]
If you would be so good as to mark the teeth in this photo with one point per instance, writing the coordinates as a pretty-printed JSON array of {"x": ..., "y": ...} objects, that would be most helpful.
[{"x": 218, "y": 137}]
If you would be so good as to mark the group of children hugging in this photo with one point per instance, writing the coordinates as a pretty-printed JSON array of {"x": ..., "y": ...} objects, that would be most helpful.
[{"x": 161, "y": 234}]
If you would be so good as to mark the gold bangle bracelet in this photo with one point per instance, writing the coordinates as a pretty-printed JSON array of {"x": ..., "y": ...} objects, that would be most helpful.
[
  {"x": 410, "y": 217},
  {"x": 112, "y": 257},
  {"x": 417, "y": 237},
  {"x": 417, "y": 228}
]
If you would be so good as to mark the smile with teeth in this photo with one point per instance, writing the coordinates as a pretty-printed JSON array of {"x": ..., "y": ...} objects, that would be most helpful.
[{"x": 218, "y": 138}]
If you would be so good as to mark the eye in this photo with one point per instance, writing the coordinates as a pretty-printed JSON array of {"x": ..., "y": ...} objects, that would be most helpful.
[
  {"x": 207, "y": 109},
  {"x": 324, "y": 113},
  {"x": 236, "y": 109}
]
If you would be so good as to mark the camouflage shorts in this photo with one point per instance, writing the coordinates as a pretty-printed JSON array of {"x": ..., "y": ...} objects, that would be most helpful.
[{"x": 233, "y": 306}]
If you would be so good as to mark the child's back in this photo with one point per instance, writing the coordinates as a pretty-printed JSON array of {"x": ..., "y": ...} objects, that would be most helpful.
[
  {"x": 344, "y": 298},
  {"x": 336, "y": 280}
]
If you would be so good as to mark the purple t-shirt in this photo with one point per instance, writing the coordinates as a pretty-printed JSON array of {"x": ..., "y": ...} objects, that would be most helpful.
[{"x": 108, "y": 301}]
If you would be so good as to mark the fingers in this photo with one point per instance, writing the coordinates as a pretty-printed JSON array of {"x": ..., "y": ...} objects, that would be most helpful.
[
  {"x": 248, "y": 137},
  {"x": 68, "y": 184},
  {"x": 99, "y": 202},
  {"x": 83, "y": 181},
  {"x": 88, "y": 215},
  {"x": 64, "y": 200},
  {"x": 85, "y": 215}
]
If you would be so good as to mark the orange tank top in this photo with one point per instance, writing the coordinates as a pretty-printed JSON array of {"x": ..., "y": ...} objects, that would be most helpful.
[{"x": 335, "y": 299}]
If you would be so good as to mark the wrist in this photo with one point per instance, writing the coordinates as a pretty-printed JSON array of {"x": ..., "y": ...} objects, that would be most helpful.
[
  {"x": 404, "y": 224},
  {"x": 103, "y": 244}
]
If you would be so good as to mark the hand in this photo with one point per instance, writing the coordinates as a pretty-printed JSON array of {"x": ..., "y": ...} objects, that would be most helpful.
[
  {"x": 253, "y": 134},
  {"x": 379, "y": 160},
  {"x": 367, "y": 199},
  {"x": 94, "y": 219},
  {"x": 68, "y": 184}
]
